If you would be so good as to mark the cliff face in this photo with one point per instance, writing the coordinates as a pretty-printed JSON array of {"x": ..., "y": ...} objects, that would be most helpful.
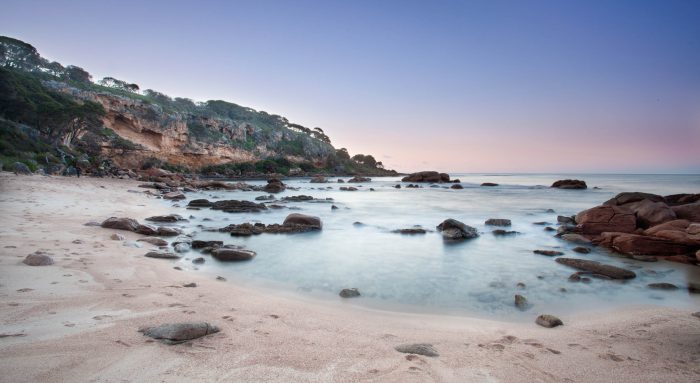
[{"x": 188, "y": 139}]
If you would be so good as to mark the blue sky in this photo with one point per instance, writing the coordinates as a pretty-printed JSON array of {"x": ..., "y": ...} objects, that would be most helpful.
[{"x": 504, "y": 86}]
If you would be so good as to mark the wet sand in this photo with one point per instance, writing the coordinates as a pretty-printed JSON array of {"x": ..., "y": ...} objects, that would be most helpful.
[{"x": 77, "y": 320}]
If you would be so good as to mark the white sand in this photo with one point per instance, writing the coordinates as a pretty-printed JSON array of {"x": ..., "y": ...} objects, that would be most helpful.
[{"x": 81, "y": 317}]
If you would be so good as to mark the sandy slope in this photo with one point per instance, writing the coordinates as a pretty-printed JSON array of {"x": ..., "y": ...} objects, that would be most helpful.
[{"x": 79, "y": 322}]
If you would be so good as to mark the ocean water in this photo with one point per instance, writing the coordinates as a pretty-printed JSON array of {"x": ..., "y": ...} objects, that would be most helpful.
[{"x": 422, "y": 273}]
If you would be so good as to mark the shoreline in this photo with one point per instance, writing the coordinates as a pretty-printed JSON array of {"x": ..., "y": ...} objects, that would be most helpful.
[{"x": 267, "y": 336}]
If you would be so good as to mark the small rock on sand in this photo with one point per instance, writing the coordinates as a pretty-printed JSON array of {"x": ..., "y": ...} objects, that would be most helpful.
[
  {"x": 162, "y": 255},
  {"x": 117, "y": 237},
  {"x": 425, "y": 349},
  {"x": 155, "y": 241},
  {"x": 174, "y": 333},
  {"x": 38, "y": 259},
  {"x": 549, "y": 321}
]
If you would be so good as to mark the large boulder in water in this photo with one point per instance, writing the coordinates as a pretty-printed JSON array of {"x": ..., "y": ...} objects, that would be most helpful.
[
  {"x": 174, "y": 333},
  {"x": 359, "y": 179},
  {"x": 634, "y": 244},
  {"x": 318, "y": 180},
  {"x": 605, "y": 218},
  {"x": 302, "y": 219},
  {"x": 597, "y": 268},
  {"x": 129, "y": 224},
  {"x": 427, "y": 176},
  {"x": 236, "y": 206},
  {"x": 274, "y": 186},
  {"x": 570, "y": 184},
  {"x": 454, "y": 230}
]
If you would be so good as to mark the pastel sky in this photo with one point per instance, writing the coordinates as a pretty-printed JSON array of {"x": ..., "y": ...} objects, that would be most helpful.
[{"x": 497, "y": 86}]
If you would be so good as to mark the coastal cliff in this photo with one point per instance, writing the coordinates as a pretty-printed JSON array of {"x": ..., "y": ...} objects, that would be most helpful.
[{"x": 55, "y": 118}]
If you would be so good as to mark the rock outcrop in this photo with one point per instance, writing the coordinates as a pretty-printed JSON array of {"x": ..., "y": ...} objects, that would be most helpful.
[
  {"x": 427, "y": 176},
  {"x": 453, "y": 230},
  {"x": 570, "y": 184}
]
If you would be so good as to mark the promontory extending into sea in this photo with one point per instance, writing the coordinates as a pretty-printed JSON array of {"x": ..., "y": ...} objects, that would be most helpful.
[{"x": 150, "y": 238}]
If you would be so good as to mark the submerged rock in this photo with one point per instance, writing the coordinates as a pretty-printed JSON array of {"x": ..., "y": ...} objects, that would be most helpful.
[
  {"x": 581, "y": 250},
  {"x": 425, "y": 349},
  {"x": 410, "y": 231},
  {"x": 154, "y": 241},
  {"x": 662, "y": 286},
  {"x": 454, "y": 230},
  {"x": 274, "y": 186},
  {"x": 358, "y": 179},
  {"x": 456, "y": 186},
  {"x": 498, "y": 222},
  {"x": 199, "y": 244},
  {"x": 521, "y": 302},
  {"x": 349, "y": 293},
  {"x": 549, "y": 253},
  {"x": 200, "y": 203},
  {"x": 489, "y": 184},
  {"x": 501, "y": 232},
  {"x": 174, "y": 333},
  {"x": 597, "y": 268},
  {"x": 549, "y": 321},
  {"x": 237, "y": 206}
]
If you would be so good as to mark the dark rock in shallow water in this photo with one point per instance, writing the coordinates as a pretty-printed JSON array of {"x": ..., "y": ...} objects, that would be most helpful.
[
  {"x": 597, "y": 268},
  {"x": 38, "y": 259},
  {"x": 570, "y": 184},
  {"x": 521, "y": 302},
  {"x": 200, "y": 203},
  {"x": 549, "y": 253},
  {"x": 456, "y": 186},
  {"x": 233, "y": 255},
  {"x": 166, "y": 218},
  {"x": 162, "y": 255},
  {"x": 581, "y": 250},
  {"x": 176, "y": 195},
  {"x": 333, "y": 207},
  {"x": 348, "y": 188},
  {"x": 168, "y": 231},
  {"x": 199, "y": 244},
  {"x": 575, "y": 238},
  {"x": 359, "y": 179},
  {"x": 236, "y": 206},
  {"x": 274, "y": 186},
  {"x": 454, "y": 230},
  {"x": 298, "y": 198},
  {"x": 425, "y": 349},
  {"x": 349, "y": 293},
  {"x": 129, "y": 224},
  {"x": 174, "y": 333},
  {"x": 548, "y": 228},
  {"x": 302, "y": 219},
  {"x": 427, "y": 176},
  {"x": 267, "y": 197},
  {"x": 491, "y": 184},
  {"x": 662, "y": 286},
  {"x": 198, "y": 260},
  {"x": 565, "y": 219},
  {"x": 318, "y": 180},
  {"x": 549, "y": 321},
  {"x": 497, "y": 222},
  {"x": 501, "y": 232},
  {"x": 411, "y": 230},
  {"x": 147, "y": 229}
]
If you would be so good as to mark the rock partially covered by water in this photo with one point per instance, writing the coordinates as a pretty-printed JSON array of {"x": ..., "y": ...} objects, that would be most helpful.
[
  {"x": 234, "y": 255},
  {"x": 410, "y": 231},
  {"x": 427, "y": 176},
  {"x": 454, "y": 230},
  {"x": 425, "y": 349},
  {"x": 570, "y": 184},
  {"x": 498, "y": 222},
  {"x": 199, "y": 203},
  {"x": 274, "y": 186},
  {"x": 318, "y": 180},
  {"x": 302, "y": 219},
  {"x": 348, "y": 188},
  {"x": 174, "y": 333},
  {"x": 358, "y": 179},
  {"x": 298, "y": 198},
  {"x": 597, "y": 268},
  {"x": 154, "y": 241},
  {"x": 549, "y": 253},
  {"x": 38, "y": 258},
  {"x": 349, "y": 293},
  {"x": 549, "y": 321},
  {"x": 129, "y": 224},
  {"x": 199, "y": 244},
  {"x": 521, "y": 302},
  {"x": 162, "y": 255},
  {"x": 489, "y": 184},
  {"x": 176, "y": 195},
  {"x": 166, "y": 218},
  {"x": 236, "y": 206}
]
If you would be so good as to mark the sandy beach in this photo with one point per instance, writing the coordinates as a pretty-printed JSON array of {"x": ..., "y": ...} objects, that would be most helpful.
[{"x": 77, "y": 320}]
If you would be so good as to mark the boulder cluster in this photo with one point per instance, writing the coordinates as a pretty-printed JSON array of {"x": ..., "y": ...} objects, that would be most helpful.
[
  {"x": 644, "y": 224},
  {"x": 427, "y": 176}
]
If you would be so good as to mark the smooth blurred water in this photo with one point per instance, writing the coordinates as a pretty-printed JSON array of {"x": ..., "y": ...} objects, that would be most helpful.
[{"x": 477, "y": 277}]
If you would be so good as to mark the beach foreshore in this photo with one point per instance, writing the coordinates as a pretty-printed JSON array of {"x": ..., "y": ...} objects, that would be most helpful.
[{"x": 78, "y": 319}]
